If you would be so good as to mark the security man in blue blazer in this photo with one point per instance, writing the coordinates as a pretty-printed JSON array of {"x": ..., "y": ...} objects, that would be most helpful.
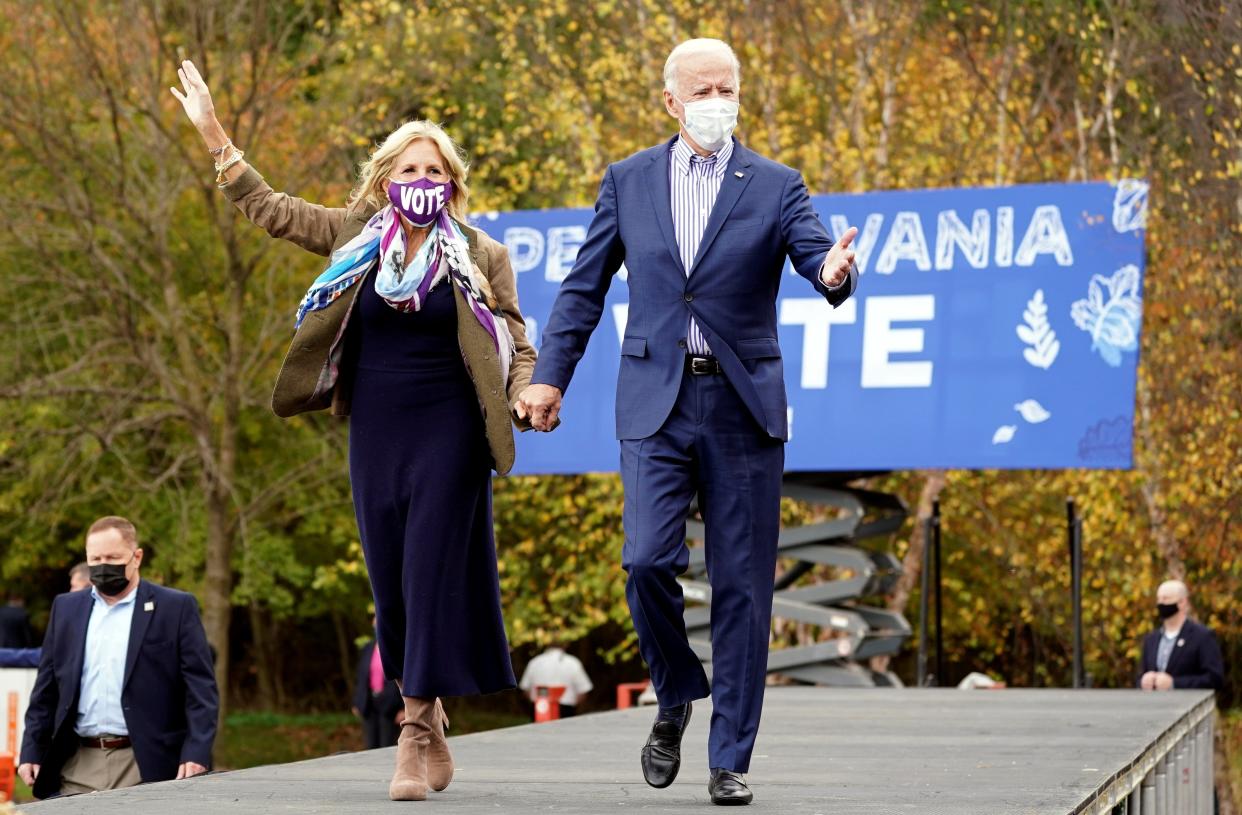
[
  {"x": 125, "y": 691},
  {"x": 1181, "y": 653},
  {"x": 704, "y": 226}
]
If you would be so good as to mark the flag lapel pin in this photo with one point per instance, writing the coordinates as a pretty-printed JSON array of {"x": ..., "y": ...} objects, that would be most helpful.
[{"x": 149, "y": 605}]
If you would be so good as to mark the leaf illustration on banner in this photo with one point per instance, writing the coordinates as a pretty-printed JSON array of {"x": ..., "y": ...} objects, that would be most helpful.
[
  {"x": 1004, "y": 433},
  {"x": 1130, "y": 205},
  {"x": 1111, "y": 313},
  {"x": 1038, "y": 334},
  {"x": 1033, "y": 411}
]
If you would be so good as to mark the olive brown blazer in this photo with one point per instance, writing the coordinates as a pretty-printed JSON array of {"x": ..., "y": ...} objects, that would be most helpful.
[{"x": 316, "y": 373}]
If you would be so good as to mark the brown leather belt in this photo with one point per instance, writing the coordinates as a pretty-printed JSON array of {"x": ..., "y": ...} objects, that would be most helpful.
[{"x": 106, "y": 742}]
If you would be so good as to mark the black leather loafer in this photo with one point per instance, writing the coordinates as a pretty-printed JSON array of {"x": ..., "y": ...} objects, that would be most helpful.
[
  {"x": 728, "y": 789},
  {"x": 661, "y": 757}
]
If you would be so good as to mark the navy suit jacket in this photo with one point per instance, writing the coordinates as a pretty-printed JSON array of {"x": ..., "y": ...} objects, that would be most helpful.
[
  {"x": 15, "y": 631},
  {"x": 168, "y": 695},
  {"x": 762, "y": 215},
  {"x": 389, "y": 700},
  {"x": 1195, "y": 661}
]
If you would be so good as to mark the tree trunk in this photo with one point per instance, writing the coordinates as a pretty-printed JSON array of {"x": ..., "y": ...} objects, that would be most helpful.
[
  {"x": 262, "y": 658},
  {"x": 912, "y": 563},
  {"x": 344, "y": 650},
  {"x": 218, "y": 586}
]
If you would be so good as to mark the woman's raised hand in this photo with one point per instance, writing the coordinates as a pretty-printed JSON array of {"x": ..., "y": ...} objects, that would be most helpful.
[
  {"x": 194, "y": 96},
  {"x": 196, "y": 99}
]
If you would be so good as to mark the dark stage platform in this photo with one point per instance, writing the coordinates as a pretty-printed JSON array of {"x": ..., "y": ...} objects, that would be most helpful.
[{"x": 830, "y": 751}]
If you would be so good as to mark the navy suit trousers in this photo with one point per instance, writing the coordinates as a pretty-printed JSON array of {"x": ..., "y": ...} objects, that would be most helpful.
[{"x": 710, "y": 445}]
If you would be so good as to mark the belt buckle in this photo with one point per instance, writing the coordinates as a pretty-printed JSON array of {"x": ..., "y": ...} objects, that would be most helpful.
[{"x": 700, "y": 366}]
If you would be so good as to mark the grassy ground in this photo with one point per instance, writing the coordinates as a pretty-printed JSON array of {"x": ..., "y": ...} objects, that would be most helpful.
[{"x": 252, "y": 739}]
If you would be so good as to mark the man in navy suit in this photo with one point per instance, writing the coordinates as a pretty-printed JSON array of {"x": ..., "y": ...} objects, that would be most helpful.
[
  {"x": 1181, "y": 653},
  {"x": 125, "y": 691},
  {"x": 704, "y": 226}
]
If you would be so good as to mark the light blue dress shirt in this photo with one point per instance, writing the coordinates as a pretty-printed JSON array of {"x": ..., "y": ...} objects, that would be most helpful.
[
  {"x": 1164, "y": 651},
  {"x": 103, "y": 667}
]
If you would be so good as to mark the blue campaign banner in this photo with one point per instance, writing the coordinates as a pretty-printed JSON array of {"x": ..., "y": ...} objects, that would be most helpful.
[{"x": 991, "y": 328}]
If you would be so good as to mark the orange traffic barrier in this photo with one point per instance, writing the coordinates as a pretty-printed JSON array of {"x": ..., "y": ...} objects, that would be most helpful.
[
  {"x": 8, "y": 781},
  {"x": 11, "y": 736},
  {"x": 627, "y": 692},
  {"x": 548, "y": 702}
]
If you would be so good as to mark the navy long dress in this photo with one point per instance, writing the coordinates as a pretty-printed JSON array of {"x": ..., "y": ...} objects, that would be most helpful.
[{"x": 420, "y": 469}]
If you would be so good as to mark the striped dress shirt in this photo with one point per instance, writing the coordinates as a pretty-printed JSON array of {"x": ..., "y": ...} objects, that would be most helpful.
[{"x": 694, "y": 182}]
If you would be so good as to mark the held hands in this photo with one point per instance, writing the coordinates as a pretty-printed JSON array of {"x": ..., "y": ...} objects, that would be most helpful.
[
  {"x": 188, "y": 769},
  {"x": 540, "y": 404},
  {"x": 28, "y": 773},
  {"x": 840, "y": 258},
  {"x": 196, "y": 98},
  {"x": 1156, "y": 680}
]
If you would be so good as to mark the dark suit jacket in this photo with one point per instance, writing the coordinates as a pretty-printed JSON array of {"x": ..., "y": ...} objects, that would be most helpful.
[
  {"x": 761, "y": 216},
  {"x": 1195, "y": 661},
  {"x": 389, "y": 700},
  {"x": 15, "y": 631},
  {"x": 169, "y": 693}
]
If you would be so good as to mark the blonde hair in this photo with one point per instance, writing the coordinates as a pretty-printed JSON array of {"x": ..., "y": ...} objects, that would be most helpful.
[{"x": 375, "y": 170}]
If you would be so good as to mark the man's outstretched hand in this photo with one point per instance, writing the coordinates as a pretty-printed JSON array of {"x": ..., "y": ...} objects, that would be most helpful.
[
  {"x": 840, "y": 257},
  {"x": 540, "y": 404}
]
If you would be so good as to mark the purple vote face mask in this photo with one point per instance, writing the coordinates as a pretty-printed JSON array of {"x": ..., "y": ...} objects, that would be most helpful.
[{"x": 421, "y": 201}]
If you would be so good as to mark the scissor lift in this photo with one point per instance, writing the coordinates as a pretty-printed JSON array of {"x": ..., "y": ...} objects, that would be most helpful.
[{"x": 851, "y": 632}]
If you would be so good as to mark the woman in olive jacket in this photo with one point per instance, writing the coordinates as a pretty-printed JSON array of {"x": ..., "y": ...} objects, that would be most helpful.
[{"x": 414, "y": 332}]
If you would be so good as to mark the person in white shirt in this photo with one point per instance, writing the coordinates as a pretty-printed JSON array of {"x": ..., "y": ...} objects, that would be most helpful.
[{"x": 555, "y": 668}]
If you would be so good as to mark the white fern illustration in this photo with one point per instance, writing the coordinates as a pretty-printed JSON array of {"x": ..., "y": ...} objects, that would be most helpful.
[{"x": 1043, "y": 342}]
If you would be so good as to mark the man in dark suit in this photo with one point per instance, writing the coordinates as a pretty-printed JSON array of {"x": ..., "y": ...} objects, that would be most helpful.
[
  {"x": 125, "y": 691},
  {"x": 1181, "y": 653},
  {"x": 377, "y": 701},
  {"x": 704, "y": 226},
  {"x": 15, "y": 631}
]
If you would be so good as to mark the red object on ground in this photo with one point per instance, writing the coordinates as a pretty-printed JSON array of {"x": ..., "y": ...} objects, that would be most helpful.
[
  {"x": 548, "y": 702},
  {"x": 7, "y": 778},
  {"x": 627, "y": 692}
]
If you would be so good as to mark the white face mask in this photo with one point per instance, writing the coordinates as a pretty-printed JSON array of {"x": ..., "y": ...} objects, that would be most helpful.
[{"x": 710, "y": 122}]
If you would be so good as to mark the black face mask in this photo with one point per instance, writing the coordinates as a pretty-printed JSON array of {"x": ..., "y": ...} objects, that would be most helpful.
[
  {"x": 1166, "y": 610},
  {"x": 109, "y": 578}
]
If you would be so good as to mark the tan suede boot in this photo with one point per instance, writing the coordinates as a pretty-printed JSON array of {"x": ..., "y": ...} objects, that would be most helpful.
[
  {"x": 439, "y": 759},
  {"x": 409, "y": 780}
]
